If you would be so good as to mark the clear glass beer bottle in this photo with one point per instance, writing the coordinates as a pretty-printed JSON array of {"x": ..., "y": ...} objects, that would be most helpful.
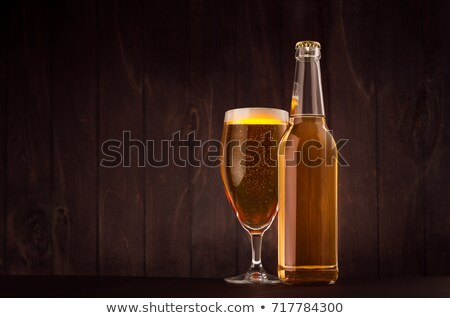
[{"x": 308, "y": 178}]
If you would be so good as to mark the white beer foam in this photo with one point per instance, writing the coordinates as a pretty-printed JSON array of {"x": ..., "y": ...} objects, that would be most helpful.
[{"x": 241, "y": 114}]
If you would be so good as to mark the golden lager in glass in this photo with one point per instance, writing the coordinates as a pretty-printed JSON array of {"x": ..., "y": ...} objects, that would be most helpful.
[
  {"x": 249, "y": 173},
  {"x": 308, "y": 178}
]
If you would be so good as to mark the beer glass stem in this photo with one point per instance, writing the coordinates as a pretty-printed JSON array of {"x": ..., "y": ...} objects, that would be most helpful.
[
  {"x": 256, "y": 251},
  {"x": 256, "y": 272}
]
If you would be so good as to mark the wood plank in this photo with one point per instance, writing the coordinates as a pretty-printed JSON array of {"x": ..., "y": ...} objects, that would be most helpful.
[
  {"x": 258, "y": 83},
  {"x": 305, "y": 20},
  {"x": 334, "y": 26},
  {"x": 300, "y": 20},
  {"x": 212, "y": 91},
  {"x": 351, "y": 96},
  {"x": 436, "y": 147},
  {"x": 29, "y": 162},
  {"x": 400, "y": 112},
  {"x": 74, "y": 105},
  {"x": 168, "y": 287},
  {"x": 121, "y": 189},
  {"x": 3, "y": 101},
  {"x": 168, "y": 219}
]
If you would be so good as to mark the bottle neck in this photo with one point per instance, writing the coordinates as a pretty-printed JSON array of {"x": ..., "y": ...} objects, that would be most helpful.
[{"x": 307, "y": 98}]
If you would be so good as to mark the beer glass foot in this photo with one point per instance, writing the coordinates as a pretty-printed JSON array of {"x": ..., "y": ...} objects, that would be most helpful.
[{"x": 253, "y": 276}]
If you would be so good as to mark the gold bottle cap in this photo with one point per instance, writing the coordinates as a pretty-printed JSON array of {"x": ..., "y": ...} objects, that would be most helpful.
[{"x": 307, "y": 44}]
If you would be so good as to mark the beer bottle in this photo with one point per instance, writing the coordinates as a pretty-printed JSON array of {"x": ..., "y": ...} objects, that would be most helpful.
[{"x": 307, "y": 185}]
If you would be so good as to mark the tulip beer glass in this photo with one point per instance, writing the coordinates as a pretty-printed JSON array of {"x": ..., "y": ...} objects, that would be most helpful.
[{"x": 249, "y": 172}]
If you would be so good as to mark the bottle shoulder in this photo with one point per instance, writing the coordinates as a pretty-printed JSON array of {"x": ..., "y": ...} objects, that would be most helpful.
[
  {"x": 307, "y": 127},
  {"x": 304, "y": 131}
]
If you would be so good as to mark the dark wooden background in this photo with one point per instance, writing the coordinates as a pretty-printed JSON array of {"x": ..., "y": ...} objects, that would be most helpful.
[{"x": 76, "y": 73}]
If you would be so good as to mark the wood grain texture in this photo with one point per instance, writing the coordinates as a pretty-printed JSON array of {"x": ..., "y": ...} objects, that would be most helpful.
[
  {"x": 168, "y": 194},
  {"x": 352, "y": 100},
  {"x": 3, "y": 82},
  {"x": 212, "y": 92},
  {"x": 151, "y": 287},
  {"x": 300, "y": 20},
  {"x": 258, "y": 83},
  {"x": 74, "y": 105},
  {"x": 400, "y": 116},
  {"x": 435, "y": 94},
  {"x": 75, "y": 74},
  {"x": 121, "y": 189},
  {"x": 29, "y": 213}
]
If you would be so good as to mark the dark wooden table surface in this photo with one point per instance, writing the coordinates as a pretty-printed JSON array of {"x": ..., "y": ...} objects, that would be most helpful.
[{"x": 83, "y": 286}]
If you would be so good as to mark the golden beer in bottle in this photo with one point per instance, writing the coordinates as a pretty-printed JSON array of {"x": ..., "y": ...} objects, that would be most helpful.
[{"x": 307, "y": 184}]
